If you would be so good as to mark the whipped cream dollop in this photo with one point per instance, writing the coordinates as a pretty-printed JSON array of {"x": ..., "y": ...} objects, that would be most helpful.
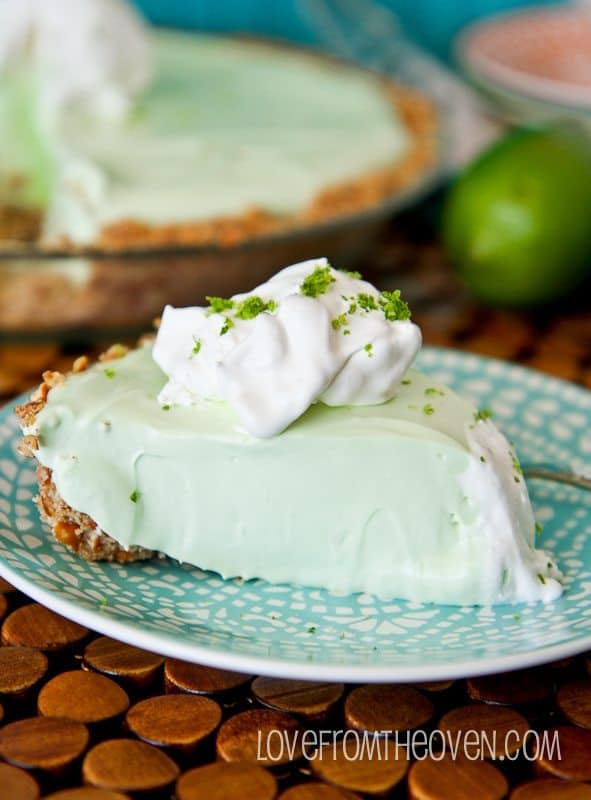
[
  {"x": 311, "y": 333},
  {"x": 94, "y": 53}
]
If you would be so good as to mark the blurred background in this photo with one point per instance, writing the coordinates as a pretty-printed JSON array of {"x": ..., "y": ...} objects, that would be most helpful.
[
  {"x": 489, "y": 240},
  {"x": 431, "y": 24}
]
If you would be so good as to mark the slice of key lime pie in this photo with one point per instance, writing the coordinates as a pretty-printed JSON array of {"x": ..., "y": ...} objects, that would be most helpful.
[{"x": 281, "y": 434}]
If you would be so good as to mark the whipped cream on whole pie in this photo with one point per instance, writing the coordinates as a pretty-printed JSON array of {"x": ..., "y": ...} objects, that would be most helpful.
[
  {"x": 93, "y": 54},
  {"x": 369, "y": 476}
]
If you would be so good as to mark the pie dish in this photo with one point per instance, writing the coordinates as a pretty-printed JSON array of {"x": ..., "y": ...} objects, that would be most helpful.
[{"x": 281, "y": 434}]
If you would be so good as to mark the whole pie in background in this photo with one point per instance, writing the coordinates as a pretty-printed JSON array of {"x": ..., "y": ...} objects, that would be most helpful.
[
  {"x": 144, "y": 166},
  {"x": 227, "y": 139}
]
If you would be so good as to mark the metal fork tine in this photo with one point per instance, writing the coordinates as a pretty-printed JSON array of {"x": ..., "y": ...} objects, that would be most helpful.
[{"x": 545, "y": 473}]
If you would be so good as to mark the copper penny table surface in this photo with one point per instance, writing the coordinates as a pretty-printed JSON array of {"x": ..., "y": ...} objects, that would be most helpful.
[{"x": 83, "y": 717}]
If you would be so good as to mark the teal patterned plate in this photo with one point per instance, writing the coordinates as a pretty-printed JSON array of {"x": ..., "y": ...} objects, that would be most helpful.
[{"x": 289, "y": 631}]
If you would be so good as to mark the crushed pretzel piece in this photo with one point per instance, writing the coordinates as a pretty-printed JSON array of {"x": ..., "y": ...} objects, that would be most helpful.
[
  {"x": 27, "y": 413},
  {"x": 40, "y": 393},
  {"x": 53, "y": 379},
  {"x": 27, "y": 446},
  {"x": 80, "y": 364},
  {"x": 114, "y": 352}
]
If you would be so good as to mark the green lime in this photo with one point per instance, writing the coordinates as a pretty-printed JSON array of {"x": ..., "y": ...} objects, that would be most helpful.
[{"x": 517, "y": 222}]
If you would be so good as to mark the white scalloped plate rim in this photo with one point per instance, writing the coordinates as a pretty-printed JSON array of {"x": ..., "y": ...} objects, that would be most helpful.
[{"x": 474, "y": 375}]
